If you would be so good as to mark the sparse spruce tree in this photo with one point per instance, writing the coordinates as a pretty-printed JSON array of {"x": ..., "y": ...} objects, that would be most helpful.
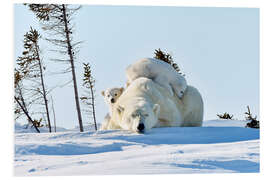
[
  {"x": 166, "y": 57},
  {"x": 31, "y": 65},
  {"x": 56, "y": 19},
  {"x": 21, "y": 106},
  {"x": 88, "y": 98},
  {"x": 254, "y": 123},
  {"x": 225, "y": 116}
]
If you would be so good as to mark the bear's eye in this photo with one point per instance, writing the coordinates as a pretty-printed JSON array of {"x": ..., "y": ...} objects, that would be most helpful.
[
  {"x": 108, "y": 95},
  {"x": 133, "y": 115},
  {"x": 145, "y": 115}
]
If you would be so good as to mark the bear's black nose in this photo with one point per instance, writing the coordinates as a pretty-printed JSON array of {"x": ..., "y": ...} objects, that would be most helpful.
[
  {"x": 112, "y": 100},
  {"x": 140, "y": 127}
]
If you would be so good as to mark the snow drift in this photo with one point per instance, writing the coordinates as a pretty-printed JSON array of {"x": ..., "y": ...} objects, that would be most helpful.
[{"x": 220, "y": 146}]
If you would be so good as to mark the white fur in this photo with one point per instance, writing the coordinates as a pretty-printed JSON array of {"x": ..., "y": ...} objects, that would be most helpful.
[
  {"x": 145, "y": 101},
  {"x": 161, "y": 72},
  {"x": 106, "y": 121},
  {"x": 111, "y": 94}
]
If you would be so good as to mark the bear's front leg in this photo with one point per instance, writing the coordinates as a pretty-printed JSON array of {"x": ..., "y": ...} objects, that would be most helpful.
[
  {"x": 179, "y": 87},
  {"x": 178, "y": 92},
  {"x": 105, "y": 123}
]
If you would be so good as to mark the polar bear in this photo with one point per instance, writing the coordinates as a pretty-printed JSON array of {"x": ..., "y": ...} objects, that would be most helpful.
[
  {"x": 145, "y": 105},
  {"x": 161, "y": 72},
  {"x": 111, "y": 95}
]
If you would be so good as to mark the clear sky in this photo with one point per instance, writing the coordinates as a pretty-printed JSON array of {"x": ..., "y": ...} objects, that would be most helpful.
[{"x": 217, "y": 49}]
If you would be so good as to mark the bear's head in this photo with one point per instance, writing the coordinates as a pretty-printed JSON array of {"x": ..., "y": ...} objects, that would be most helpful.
[
  {"x": 138, "y": 117},
  {"x": 112, "y": 94}
]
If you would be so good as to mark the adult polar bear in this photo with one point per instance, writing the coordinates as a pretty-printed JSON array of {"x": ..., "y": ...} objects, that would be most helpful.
[{"x": 145, "y": 104}]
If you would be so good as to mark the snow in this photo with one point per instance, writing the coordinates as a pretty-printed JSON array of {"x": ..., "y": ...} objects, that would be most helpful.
[
  {"x": 24, "y": 128},
  {"x": 220, "y": 146}
]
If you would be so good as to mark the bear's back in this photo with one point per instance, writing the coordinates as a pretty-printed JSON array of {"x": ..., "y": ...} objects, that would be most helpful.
[{"x": 158, "y": 65}]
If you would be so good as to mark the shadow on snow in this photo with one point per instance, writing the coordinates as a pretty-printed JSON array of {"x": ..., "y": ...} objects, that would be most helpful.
[
  {"x": 190, "y": 135},
  {"x": 116, "y": 140},
  {"x": 240, "y": 166}
]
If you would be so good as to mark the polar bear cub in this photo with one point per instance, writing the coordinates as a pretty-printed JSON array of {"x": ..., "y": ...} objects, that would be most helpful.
[
  {"x": 111, "y": 95},
  {"x": 160, "y": 72}
]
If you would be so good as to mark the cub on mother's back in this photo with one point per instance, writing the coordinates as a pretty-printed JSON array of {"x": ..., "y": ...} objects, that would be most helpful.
[{"x": 160, "y": 72}]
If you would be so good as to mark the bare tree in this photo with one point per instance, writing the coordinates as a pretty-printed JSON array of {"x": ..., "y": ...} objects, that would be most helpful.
[
  {"x": 89, "y": 98},
  {"x": 30, "y": 63},
  {"x": 57, "y": 19},
  {"x": 22, "y": 106}
]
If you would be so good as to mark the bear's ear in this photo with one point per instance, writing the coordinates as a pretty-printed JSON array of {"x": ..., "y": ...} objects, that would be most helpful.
[
  {"x": 102, "y": 93},
  {"x": 156, "y": 109},
  {"x": 121, "y": 89},
  {"x": 120, "y": 109}
]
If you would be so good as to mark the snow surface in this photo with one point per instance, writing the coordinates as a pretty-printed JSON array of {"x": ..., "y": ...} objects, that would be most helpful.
[{"x": 220, "y": 146}]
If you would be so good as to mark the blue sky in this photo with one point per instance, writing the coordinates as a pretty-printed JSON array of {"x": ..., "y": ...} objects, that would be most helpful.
[{"x": 217, "y": 49}]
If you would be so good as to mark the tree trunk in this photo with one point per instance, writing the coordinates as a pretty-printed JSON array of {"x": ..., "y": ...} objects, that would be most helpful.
[
  {"x": 23, "y": 104},
  {"x": 26, "y": 113},
  {"x": 93, "y": 107},
  {"x": 53, "y": 116},
  {"x": 43, "y": 89},
  {"x": 70, "y": 53}
]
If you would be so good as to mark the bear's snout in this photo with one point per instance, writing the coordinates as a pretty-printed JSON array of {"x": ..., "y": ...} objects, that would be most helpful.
[
  {"x": 112, "y": 100},
  {"x": 140, "y": 127}
]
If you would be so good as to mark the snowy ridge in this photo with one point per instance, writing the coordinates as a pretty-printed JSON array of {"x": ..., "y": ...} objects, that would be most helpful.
[
  {"x": 19, "y": 128},
  {"x": 226, "y": 147}
]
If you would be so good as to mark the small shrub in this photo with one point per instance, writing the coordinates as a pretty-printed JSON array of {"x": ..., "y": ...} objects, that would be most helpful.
[
  {"x": 37, "y": 123},
  {"x": 254, "y": 123},
  {"x": 225, "y": 116},
  {"x": 166, "y": 57}
]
